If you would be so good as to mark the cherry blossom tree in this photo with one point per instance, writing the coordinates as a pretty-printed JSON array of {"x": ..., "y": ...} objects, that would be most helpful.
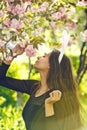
[{"x": 27, "y": 22}]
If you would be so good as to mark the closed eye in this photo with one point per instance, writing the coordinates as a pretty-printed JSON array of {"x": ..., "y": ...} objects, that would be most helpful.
[{"x": 44, "y": 56}]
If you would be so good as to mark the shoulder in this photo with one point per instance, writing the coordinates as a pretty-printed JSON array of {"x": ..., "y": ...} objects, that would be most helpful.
[
  {"x": 30, "y": 85},
  {"x": 34, "y": 86}
]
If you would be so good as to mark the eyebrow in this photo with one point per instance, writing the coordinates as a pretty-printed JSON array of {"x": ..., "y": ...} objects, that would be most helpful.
[{"x": 46, "y": 54}]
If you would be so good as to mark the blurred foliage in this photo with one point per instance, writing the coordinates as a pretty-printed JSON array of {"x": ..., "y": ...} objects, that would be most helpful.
[{"x": 11, "y": 119}]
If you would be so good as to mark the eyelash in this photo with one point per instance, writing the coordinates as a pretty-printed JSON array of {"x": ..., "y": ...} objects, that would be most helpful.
[{"x": 44, "y": 56}]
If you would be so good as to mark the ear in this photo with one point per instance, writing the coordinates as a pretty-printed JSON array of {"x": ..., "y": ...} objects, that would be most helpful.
[{"x": 48, "y": 66}]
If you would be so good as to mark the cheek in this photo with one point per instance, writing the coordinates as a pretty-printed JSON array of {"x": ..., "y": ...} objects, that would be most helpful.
[
  {"x": 38, "y": 65},
  {"x": 44, "y": 66}
]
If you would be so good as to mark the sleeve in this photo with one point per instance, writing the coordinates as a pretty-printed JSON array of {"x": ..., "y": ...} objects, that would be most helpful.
[{"x": 23, "y": 86}]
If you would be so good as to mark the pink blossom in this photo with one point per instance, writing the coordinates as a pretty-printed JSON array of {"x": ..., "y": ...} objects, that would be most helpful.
[
  {"x": 82, "y": 3},
  {"x": 1, "y": 14},
  {"x": 11, "y": 8},
  {"x": 71, "y": 25},
  {"x": 55, "y": 16},
  {"x": 53, "y": 24},
  {"x": 7, "y": 22},
  {"x": 43, "y": 7},
  {"x": 61, "y": 14},
  {"x": 19, "y": 9},
  {"x": 9, "y": 0},
  {"x": 40, "y": 30},
  {"x": 16, "y": 24},
  {"x": 30, "y": 51},
  {"x": 35, "y": 9},
  {"x": 2, "y": 43},
  {"x": 16, "y": 10}
]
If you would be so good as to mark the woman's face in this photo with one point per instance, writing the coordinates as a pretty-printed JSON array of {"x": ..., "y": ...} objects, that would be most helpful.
[{"x": 42, "y": 63}]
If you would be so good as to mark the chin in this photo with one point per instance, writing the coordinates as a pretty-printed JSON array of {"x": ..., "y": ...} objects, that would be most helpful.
[{"x": 35, "y": 66}]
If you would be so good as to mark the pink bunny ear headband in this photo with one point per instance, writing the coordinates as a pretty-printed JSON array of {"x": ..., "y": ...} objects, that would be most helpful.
[{"x": 65, "y": 40}]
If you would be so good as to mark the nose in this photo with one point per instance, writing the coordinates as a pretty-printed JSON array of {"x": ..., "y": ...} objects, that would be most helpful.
[{"x": 38, "y": 57}]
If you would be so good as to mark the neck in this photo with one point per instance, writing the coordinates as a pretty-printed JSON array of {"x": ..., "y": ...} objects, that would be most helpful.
[{"x": 44, "y": 85}]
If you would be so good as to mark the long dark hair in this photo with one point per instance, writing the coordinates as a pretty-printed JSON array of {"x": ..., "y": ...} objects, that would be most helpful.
[{"x": 60, "y": 77}]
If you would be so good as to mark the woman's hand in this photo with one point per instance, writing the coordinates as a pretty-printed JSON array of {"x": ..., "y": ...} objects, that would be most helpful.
[
  {"x": 54, "y": 97},
  {"x": 17, "y": 50}
]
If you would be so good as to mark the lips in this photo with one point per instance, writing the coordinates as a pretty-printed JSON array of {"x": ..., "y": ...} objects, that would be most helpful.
[{"x": 36, "y": 61}]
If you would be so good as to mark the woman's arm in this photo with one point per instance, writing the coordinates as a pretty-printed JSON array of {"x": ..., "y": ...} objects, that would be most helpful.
[
  {"x": 14, "y": 84},
  {"x": 23, "y": 86}
]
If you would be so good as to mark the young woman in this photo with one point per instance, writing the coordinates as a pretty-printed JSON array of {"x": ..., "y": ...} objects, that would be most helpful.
[{"x": 53, "y": 102}]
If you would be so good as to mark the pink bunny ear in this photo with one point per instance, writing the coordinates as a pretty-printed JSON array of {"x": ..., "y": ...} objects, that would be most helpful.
[{"x": 65, "y": 40}]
